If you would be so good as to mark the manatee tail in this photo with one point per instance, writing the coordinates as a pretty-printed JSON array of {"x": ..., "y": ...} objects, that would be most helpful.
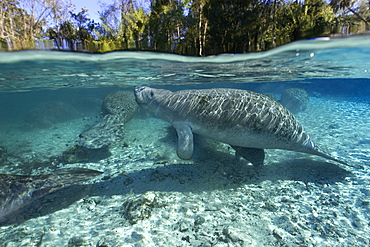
[
  {"x": 19, "y": 191},
  {"x": 311, "y": 148},
  {"x": 73, "y": 175}
]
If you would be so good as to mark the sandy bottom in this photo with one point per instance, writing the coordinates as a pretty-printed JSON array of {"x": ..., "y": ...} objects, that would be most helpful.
[{"x": 149, "y": 197}]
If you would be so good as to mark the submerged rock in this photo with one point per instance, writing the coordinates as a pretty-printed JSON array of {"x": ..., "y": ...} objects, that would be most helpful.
[
  {"x": 118, "y": 108},
  {"x": 78, "y": 241},
  {"x": 49, "y": 113},
  {"x": 139, "y": 207},
  {"x": 295, "y": 99},
  {"x": 75, "y": 154},
  {"x": 79, "y": 154}
]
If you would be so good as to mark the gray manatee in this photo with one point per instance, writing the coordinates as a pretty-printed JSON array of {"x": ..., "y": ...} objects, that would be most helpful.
[
  {"x": 248, "y": 121},
  {"x": 118, "y": 108},
  {"x": 17, "y": 191}
]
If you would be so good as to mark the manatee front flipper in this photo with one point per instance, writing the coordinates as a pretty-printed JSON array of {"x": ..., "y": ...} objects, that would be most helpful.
[
  {"x": 254, "y": 155},
  {"x": 185, "y": 144}
]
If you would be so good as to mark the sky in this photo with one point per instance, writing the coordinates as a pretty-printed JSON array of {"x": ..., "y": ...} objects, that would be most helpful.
[{"x": 94, "y": 6}]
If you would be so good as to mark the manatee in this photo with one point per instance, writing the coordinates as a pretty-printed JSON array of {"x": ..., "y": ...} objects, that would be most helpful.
[
  {"x": 117, "y": 108},
  {"x": 120, "y": 103},
  {"x": 250, "y": 122},
  {"x": 18, "y": 191},
  {"x": 295, "y": 99}
]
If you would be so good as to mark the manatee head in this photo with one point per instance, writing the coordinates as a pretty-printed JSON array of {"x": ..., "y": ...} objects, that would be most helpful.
[
  {"x": 144, "y": 95},
  {"x": 150, "y": 98}
]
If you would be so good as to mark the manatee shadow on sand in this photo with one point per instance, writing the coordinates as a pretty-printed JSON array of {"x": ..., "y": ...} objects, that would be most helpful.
[
  {"x": 199, "y": 177},
  {"x": 196, "y": 177}
]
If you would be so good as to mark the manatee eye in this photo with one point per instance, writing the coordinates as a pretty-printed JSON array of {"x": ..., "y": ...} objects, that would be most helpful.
[
  {"x": 151, "y": 94},
  {"x": 138, "y": 89}
]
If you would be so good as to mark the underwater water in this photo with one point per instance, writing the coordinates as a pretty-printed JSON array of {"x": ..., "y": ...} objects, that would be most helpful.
[{"x": 55, "y": 114}]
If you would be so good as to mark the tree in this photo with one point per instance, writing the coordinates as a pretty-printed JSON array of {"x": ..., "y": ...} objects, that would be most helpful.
[
  {"x": 310, "y": 19},
  {"x": 192, "y": 27},
  {"x": 134, "y": 23},
  {"x": 12, "y": 19},
  {"x": 124, "y": 21},
  {"x": 342, "y": 5},
  {"x": 166, "y": 25},
  {"x": 24, "y": 21},
  {"x": 111, "y": 21},
  {"x": 84, "y": 26},
  {"x": 42, "y": 11},
  {"x": 235, "y": 26},
  {"x": 64, "y": 34},
  {"x": 197, "y": 25}
]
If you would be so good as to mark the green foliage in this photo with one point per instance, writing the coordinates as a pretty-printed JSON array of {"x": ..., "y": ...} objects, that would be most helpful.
[
  {"x": 359, "y": 11},
  {"x": 190, "y": 27},
  {"x": 12, "y": 25},
  {"x": 133, "y": 26},
  {"x": 166, "y": 24}
]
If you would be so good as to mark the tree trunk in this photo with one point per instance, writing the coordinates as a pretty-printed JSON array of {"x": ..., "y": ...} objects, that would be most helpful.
[
  {"x": 273, "y": 31},
  {"x": 200, "y": 30},
  {"x": 204, "y": 35}
]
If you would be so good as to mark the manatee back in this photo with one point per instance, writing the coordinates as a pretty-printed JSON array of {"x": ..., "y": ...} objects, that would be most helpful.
[{"x": 121, "y": 104}]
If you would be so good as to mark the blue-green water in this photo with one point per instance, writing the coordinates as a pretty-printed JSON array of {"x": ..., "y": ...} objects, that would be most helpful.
[{"x": 147, "y": 195}]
